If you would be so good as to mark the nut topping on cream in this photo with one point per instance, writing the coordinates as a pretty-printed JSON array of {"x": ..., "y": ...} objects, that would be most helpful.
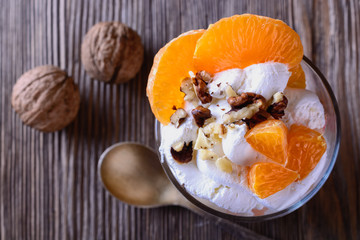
[
  {"x": 230, "y": 92},
  {"x": 200, "y": 114},
  {"x": 245, "y": 99},
  {"x": 178, "y": 117},
  {"x": 278, "y": 105},
  {"x": 259, "y": 117},
  {"x": 184, "y": 155},
  {"x": 246, "y": 112},
  {"x": 200, "y": 81},
  {"x": 187, "y": 88}
]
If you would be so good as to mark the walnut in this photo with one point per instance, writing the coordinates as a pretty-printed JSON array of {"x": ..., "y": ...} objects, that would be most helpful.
[
  {"x": 215, "y": 131},
  {"x": 178, "y": 117},
  {"x": 224, "y": 164},
  {"x": 112, "y": 52},
  {"x": 200, "y": 114},
  {"x": 244, "y": 106},
  {"x": 184, "y": 155},
  {"x": 230, "y": 92},
  {"x": 240, "y": 114},
  {"x": 46, "y": 98},
  {"x": 277, "y": 108},
  {"x": 209, "y": 120},
  {"x": 205, "y": 154},
  {"x": 178, "y": 146},
  {"x": 238, "y": 102},
  {"x": 259, "y": 117},
  {"x": 202, "y": 141},
  {"x": 205, "y": 76},
  {"x": 187, "y": 88},
  {"x": 202, "y": 90}
]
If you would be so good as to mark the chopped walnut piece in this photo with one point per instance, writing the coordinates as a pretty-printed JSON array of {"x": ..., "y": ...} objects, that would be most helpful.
[
  {"x": 215, "y": 131},
  {"x": 187, "y": 88},
  {"x": 277, "y": 97},
  {"x": 202, "y": 142},
  {"x": 224, "y": 164},
  {"x": 183, "y": 156},
  {"x": 178, "y": 146},
  {"x": 230, "y": 92},
  {"x": 178, "y": 117},
  {"x": 238, "y": 102},
  {"x": 209, "y": 121},
  {"x": 205, "y": 76},
  {"x": 245, "y": 112},
  {"x": 277, "y": 108},
  {"x": 200, "y": 114},
  {"x": 259, "y": 117},
  {"x": 205, "y": 154},
  {"x": 202, "y": 90}
]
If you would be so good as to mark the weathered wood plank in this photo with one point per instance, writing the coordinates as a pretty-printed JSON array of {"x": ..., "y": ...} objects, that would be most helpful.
[{"x": 49, "y": 188}]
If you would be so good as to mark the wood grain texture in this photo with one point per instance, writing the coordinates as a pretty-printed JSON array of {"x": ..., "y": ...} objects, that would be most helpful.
[{"x": 49, "y": 187}]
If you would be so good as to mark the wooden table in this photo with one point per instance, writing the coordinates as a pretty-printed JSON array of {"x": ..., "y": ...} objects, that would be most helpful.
[{"x": 49, "y": 187}]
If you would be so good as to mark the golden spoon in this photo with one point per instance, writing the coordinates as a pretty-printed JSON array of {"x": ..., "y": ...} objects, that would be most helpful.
[{"x": 132, "y": 173}]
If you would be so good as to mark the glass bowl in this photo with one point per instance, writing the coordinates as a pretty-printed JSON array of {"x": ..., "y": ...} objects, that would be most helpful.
[{"x": 317, "y": 83}]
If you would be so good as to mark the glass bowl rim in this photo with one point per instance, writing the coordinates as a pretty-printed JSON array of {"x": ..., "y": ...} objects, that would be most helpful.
[{"x": 283, "y": 212}]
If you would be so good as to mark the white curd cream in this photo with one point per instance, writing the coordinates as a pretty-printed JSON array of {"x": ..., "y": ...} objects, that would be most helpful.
[
  {"x": 305, "y": 108},
  {"x": 236, "y": 149}
]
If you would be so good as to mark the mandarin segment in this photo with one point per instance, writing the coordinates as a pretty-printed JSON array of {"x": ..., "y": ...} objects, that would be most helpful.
[
  {"x": 270, "y": 139},
  {"x": 306, "y": 147},
  {"x": 171, "y": 65},
  {"x": 242, "y": 40},
  {"x": 265, "y": 179},
  {"x": 297, "y": 78}
]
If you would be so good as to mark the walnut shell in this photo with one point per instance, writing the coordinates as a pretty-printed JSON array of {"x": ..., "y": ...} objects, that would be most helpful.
[
  {"x": 112, "y": 52},
  {"x": 46, "y": 98}
]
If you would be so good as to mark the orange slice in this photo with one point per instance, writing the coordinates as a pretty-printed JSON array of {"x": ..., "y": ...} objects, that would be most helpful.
[
  {"x": 266, "y": 179},
  {"x": 270, "y": 139},
  {"x": 242, "y": 40},
  {"x": 306, "y": 147},
  {"x": 297, "y": 78},
  {"x": 171, "y": 65}
]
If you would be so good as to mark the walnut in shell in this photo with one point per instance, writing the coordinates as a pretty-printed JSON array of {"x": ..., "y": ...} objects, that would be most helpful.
[
  {"x": 46, "y": 98},
  {"x": 112, "y": 52}
]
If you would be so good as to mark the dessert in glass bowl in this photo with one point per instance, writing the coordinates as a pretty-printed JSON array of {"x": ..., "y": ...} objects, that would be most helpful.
[{"x": 247, "y": 128}]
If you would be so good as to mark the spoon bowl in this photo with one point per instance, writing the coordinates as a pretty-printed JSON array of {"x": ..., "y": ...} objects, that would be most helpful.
[{"x": 132, "y": 173}]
